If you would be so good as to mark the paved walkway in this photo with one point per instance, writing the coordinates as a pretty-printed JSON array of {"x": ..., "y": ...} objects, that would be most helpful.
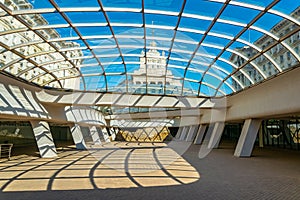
[{"x": 152, "y": 171}]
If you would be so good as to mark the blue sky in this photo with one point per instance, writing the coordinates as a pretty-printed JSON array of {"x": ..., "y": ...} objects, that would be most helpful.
[{"x": 198, "y": 7}]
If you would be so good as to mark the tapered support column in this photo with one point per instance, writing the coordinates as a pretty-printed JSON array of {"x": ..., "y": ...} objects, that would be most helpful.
[
  {"x": 177, "y": 136},
  {"x": 247, "y": 138},
  {"x": 105, "y": 136},
  {"x": 112, "y": 134},
  {"x": 44, "y": 139},
  {"x": 192, "y": 133},
  {"x": 95, "y": 135},
  {"x": 216, "y": 135},
  {"x": 184, "y": 132},
  {"x": 78, "y": 137},
  {"x": 200, "y": 134}
]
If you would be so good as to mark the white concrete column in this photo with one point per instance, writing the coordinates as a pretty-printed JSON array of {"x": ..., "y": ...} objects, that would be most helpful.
[
  {"x": 216, "y": 135},
  {"x": 200, "y": 134},
  {"x": 77, "y": 136},
  {"x": 95, "y": 134},
  {"x": 184, "y": 132},
  {"x": 44, "y": 139},
  {"x": 177, "y": 136},
  {"x": 192, "y": 133},
  {"x": 261, "y": 137},
  {"x": 112, "y": 133},
  {"x": 105, "y": 136},
  {"x": 247, "y": 138}
]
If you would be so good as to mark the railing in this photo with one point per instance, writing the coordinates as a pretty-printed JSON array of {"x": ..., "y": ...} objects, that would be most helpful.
[{"x": 5, "y": 150}]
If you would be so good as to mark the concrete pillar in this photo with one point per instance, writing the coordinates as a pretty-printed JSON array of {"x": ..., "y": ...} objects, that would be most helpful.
[
  {"x": 44, "y": 139},
  {"x": 105, "y": 136},
  {"x": 184, "y": 132},
  {"x": 200, "y": 134},
  {"x": 192, "y": 133},
  {"x": 112, "y": 134},
  {"x": 177, "y": 136},
  {"x": 247, "y": 138},
  {"x": 95, "y": 135},
  {"x": 261, "y": 137},
  {"x": 77, "y": 136},
  {"x": 216, "y": 135}
]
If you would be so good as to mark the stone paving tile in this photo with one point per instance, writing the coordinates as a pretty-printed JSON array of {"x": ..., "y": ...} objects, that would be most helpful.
[{"x": 268, "y": 174}]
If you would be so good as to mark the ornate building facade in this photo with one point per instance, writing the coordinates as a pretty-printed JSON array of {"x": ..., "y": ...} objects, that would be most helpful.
[
  {"x": 280, "y": 54},
  {"x": 31, "y": 59}
]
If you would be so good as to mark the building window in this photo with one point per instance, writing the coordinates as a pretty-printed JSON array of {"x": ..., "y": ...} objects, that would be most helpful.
[
  {"x": 281, "y": 58},
  {"x": 288, "y": 55}
]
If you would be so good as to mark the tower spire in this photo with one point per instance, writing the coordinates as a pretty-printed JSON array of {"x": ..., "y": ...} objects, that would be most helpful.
[{"x": 152, "y": 43}]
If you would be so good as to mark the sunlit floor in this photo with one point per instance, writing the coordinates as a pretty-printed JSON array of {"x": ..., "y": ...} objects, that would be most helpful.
[
  {"x": 114, "y": 165},
  {"x": 152, "y": 171}
]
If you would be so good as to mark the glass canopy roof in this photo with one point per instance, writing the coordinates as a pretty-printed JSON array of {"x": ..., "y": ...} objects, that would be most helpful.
[{"x": 166, "y": 47}]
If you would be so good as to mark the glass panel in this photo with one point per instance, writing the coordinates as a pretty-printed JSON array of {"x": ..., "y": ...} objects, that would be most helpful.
[
  {"x": 162, "y": 20},
  {"x": 101, "y": 42},
  {"x": 107, "y": 59},
  {"x": 156, "y": 32},
  {"x": 176, "y": 72},
  {"x": 204, "y": 8},
  {"x": 37, "y": 4},
  {"x": 86, "y": 17},
  {"x": 174, "y": 5},
  {"x": 197, "y": 24},
  {"x": 226, "y": 29},
  {"x": 274, "y": 24},
  {"x": 211, "y": 80},
  {"x": 131, "y": 68},
  {"x": 7, "y": 57},
  {"x": 285, "y": 57},
  {"x": 233, "y": 13},
  {"x": 106, "y": 51},
  {"x": 125, "y": 17},
  {"x": 129, "y": 41},
  {"x": 91, "y": 70},
  {"x": 97, "y": 30},
  {"x": 114, "y": 68},
  {"x": 53, "y": 18},
  {"x": 206, "y": 91},
  {"x": 185, "y": 46},
  {"x": 193, "y": 75},
  {"x": 190, "y": 88},
  {"x": 116, "y": 83},
  {"x": 10, "y": 24},
  {"x": 234, "y": 83},
  {"x": 191, "y": 37},
  {"x": 77, "y": 3},
  {"x": 217, "y": 73},
  {"x": 173, "y": 86},
  {"x": 122, "y": 3},
  {"x": 287, "y": 7},
  {"x": 131, "y": 59},
  {"x": 225, "y": 89},
  {"x": 94, "y": 83},
  {"x": 208, "y": 50},
  {"x": 155, "y": 87},
  {"x": 184, "y": 56},
  {"x": 256, "y": 2},
  {"x": 214, "y": 40},
  {"x": 128, "y": 31}
]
